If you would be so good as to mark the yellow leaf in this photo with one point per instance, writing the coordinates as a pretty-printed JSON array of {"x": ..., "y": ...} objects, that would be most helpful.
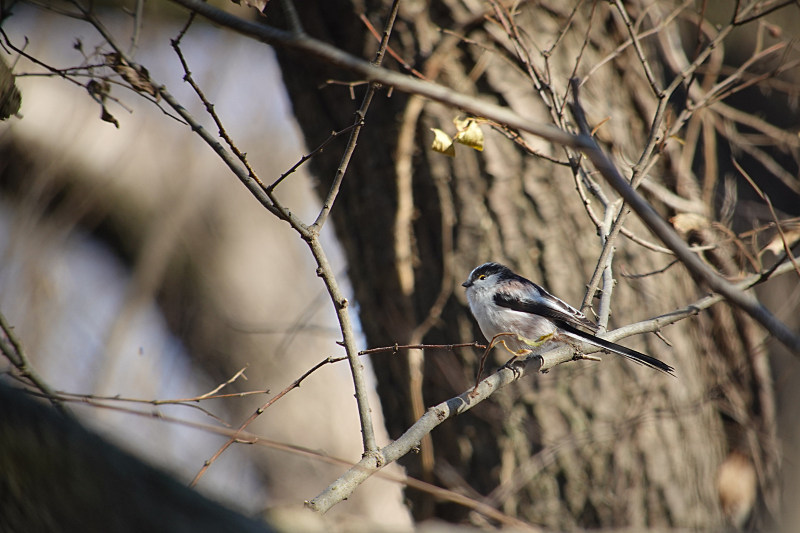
[
  {"x": 442, "y": 143},
  {"x": 469, "y": 133}
]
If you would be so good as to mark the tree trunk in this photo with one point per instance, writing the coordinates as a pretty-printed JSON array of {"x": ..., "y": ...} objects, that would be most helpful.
[{"x": 588, "y": 444}]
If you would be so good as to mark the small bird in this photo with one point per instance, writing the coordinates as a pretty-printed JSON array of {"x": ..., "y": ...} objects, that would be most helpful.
[{"x": 504, "y": 302}]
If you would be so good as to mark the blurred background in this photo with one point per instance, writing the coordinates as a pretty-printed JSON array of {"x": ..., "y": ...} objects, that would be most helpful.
[{"x": 134, "y": 265}]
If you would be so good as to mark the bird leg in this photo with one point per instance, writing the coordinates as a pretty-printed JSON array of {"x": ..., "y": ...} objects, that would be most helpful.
[
  {"x": 516, "y": 353},
  {"x": 533, "y": 344}
]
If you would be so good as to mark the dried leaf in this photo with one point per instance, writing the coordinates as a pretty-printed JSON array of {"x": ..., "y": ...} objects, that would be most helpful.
[
  {"x": 136, "y": 75},
  {"x": 108, "y": 117},
  {"x": 469, "y": 133},
  {"x": 442, "y": 143},
  {"x": 10, "y": 97},
  {"x": 98, "y": 90}
]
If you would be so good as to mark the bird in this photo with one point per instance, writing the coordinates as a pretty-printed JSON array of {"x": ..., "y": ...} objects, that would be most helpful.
[{"x": 504, "y": 302}]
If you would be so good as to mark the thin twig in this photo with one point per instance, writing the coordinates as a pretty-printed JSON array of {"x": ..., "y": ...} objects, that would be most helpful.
[
  {"x": 651, "y": 79},
  {"x": 395, "y": 55},
  {"x": 784, "y": 241},
  {"x": 138, "y": 16},
  {"x": 238, "y": 433},
  {"x": 14, "y": 351},
  {"x": 737, "y": 22},
  {"x": 327, "y": 204},
  {"x": 651, "y": 273},
  {"x": 315, "y": 151},
  {"x": 224, "y": 384},
  {"x": 187, "y": 77},
  {"x": 397, "y": 347}
]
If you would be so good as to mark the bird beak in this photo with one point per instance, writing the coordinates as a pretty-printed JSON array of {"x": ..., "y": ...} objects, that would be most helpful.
[{"x": 467, "y": 284}]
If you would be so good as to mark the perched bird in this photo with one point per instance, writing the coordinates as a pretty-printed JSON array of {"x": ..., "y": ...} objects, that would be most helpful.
[{"x": 504, "y": 302}]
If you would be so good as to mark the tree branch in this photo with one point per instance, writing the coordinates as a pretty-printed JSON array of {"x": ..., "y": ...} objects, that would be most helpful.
[{"x": 512, "y": 371}]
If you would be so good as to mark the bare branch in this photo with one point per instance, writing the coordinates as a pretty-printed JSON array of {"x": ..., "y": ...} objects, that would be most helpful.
[
  {"x": 333, "y": 56},
  {"x": 327, "y": 204},
  {"x": 308, "y": 156},
  {"x": 396, "y": 348},
  {"x": 651, "y": 79},
  {"x": 238, "y": 434},
  {"x": 512, "y": 371}
]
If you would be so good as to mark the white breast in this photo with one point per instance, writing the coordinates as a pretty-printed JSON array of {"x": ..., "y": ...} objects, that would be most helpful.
[{"x": 494, "y": 319}]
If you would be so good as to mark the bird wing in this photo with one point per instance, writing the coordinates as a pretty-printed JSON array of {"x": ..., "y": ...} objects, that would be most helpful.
[
  {"x": 546, "y": 305},
  {"x": 570, "y": 320}
]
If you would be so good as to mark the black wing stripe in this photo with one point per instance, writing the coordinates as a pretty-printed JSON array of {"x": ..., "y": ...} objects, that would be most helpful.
[
  {"x": 633, "y": 355},
  {"x": 541, "y": 309}
]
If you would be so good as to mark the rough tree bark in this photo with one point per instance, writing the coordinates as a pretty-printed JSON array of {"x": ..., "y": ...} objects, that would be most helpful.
[{"x": 588, "y": 445}]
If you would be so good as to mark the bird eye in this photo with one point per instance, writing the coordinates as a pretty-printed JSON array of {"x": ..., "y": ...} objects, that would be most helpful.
[{"x": 481, "y": 276}]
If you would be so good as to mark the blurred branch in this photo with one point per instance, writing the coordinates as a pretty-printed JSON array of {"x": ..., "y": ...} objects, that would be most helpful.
[
  {"x": 237, "y": 436},
  {"x": 448, "y": 495},
  {"x": 784, "y": 241},
  {"x": 14, "y": 351},
  {"x": 266, "y": 196},
  {"x": 58, "y": 476}
]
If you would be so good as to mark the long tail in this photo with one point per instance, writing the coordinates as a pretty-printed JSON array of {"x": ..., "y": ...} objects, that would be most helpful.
[{"x": 633, "y": 355}]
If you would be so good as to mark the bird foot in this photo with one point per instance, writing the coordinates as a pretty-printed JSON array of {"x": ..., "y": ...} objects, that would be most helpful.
[{"x": 534, "y": 344}]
